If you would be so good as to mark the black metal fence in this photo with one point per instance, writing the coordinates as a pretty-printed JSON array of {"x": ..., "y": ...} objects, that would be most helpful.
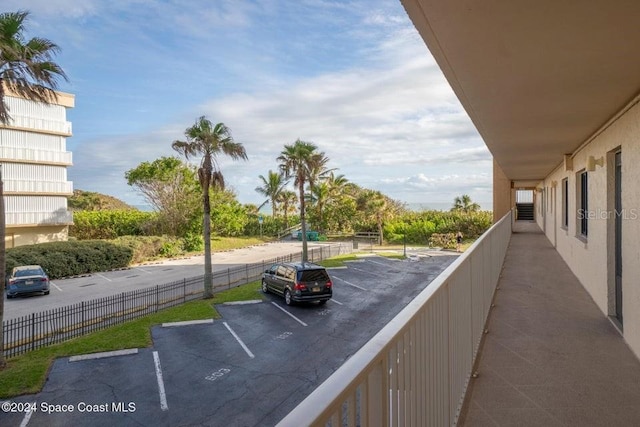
[{"x": 49, "y": 327}]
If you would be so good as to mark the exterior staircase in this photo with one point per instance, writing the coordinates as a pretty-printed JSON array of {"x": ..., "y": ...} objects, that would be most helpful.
[{"x": 524, "y": 212}]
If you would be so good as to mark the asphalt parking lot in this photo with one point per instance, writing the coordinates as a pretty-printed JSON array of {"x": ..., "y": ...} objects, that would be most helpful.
[{"x": 249, "y": 368}]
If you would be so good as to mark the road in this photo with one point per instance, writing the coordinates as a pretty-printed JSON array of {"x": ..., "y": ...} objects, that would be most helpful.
[
  {"x": 249, "y": 368},
  {"x": 74, "y": 290}
]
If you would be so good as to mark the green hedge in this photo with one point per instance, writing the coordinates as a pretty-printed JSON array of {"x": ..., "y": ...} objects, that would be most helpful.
[
  {"x": 112, "y": 224},
  {"x": 419, "y": 226},
  {"x": 64, "y": 259}
]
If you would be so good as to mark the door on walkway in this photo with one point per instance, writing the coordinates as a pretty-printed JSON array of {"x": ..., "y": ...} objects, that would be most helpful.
[{"x": 618, "y": 234}]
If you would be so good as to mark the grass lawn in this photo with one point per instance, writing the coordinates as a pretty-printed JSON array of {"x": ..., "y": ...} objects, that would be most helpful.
[
  {"x": 27, "y": 373},
  {"x": 227, "y": 243}
]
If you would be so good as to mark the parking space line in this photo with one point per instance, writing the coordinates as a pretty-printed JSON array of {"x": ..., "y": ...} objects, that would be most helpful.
[
  {"x": 286, "y": 312},
  {"x": 105, "y": 278},
  {"x": 246, "y": 349},
  {"x": 359, "y": 269},
  {"x": 163, "y": 395},
  {"x": 142, "y": 269},
  {"x": 26, "y": 418},
  {"x": 337, "y": 302},
  {"x": 55, "y": 286},
  {"x": 351, "y": 284},
  {"x": 378, "y": 262}
]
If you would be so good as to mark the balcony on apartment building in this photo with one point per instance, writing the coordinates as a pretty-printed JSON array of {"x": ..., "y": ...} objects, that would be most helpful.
[
  {"x": 60, "y": 217},
  {"x": 45, "y": 125},
  {"x": 33, "y": 155},
  {"x": 21, "y": 186},
  {"x": 545, "y": 356}
]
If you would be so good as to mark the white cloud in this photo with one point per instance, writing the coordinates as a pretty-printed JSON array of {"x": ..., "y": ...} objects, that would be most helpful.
[{"x": 366, "y": 91}]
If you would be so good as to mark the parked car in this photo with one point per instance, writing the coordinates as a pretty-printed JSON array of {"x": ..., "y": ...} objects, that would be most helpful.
[
  {"x": 27, "y": 279},
  {"x": 295, "y": 234},
  {"x": 298, "y": 282}
]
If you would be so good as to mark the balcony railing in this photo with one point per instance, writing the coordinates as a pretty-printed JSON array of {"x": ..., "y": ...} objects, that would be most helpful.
[
  {"x": 38, "y": 218},
  {"x": 41, "y": 124},
  {"x": 52, "y": 187},
  {"x": 32, "y": 155},
  {"x": 415, "y": 371}
]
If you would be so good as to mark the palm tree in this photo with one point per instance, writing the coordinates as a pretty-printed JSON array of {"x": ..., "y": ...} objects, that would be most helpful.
[
  {"x": 26, "y": 70},
  {"x": 271, "y": 187},
  {"x": 26, "y": 66},
  {"x": 299, "y": 160},
  {"x": 464, "y": 204},
  {"x": 205, "y": 139},
  {"x": 319, "y": 195},
  {"x": 287, "y": 200},
  {"x": 373, "y": 204}
]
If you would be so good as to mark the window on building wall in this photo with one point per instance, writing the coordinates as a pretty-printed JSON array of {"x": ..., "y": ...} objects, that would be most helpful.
[
  {"x": 583, "y": 206},
  {"x": 565, "y": 203}
]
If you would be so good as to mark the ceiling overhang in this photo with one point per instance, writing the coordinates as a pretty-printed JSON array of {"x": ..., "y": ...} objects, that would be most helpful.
[{"x": 538, "y": 79}]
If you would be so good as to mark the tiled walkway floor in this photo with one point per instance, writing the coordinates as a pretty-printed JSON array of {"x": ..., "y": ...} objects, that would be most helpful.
[{"x": 551, "y": 358}]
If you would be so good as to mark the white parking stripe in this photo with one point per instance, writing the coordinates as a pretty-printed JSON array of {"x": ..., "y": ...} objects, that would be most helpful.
[
  {"x": 163, "y": 395},
  {"x": 286, "y": 312},
  {"x": 378, "y": 262},
  {"x": 56, "y": 286},
  {"x": 142, "y": 269},
  {"x": 105, "y": 278},
  {"x": 359, "y": 269},
  {"x": 239, "y": 340},
  {"x": 351, "y": 284},
  {"x": 337, "y": 302},
  {"x": 26, "y": 418}
]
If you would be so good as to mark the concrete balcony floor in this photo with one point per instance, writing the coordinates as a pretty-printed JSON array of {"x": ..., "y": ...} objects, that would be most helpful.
[{"x": 551, "y": 358}]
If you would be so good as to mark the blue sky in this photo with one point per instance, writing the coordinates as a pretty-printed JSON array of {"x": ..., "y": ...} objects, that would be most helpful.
[{"x": 354, "y": 77}]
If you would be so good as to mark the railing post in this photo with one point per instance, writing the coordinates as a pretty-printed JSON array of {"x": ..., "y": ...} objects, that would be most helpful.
[
  {"x": 123, "y": 306},
  {"x": 158, "y": 297},
  {"x": 229, "y": 278},
  {"x": 184, "y": 290},
  {"x": 33, "y": 330},
  {"x": 83, "y": 317},
  {"x": 246, "y": 273}
]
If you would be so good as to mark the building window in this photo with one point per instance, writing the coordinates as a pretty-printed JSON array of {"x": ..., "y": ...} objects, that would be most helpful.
[
  {"x": 565, "y": 203},
  {"x": 583, "y": 207}
]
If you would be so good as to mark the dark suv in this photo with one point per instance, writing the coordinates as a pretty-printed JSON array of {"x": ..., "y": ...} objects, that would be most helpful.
[{"x": 298, "y": 282}]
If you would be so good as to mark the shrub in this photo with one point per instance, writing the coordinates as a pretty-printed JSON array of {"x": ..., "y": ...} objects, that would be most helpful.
[
  {"x": 446, "y": 241},
  {"x": 145, "y": 248},
  {"x": 63, "y": 259},
  {"x": 112, "y": 224}
]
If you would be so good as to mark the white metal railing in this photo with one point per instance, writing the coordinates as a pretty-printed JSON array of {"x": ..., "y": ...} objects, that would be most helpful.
[
  {"x": 24, "y": 186},
  {"x": 41, "y": 124},
  {"x": 415, "y": 371},
  {"x": 33, "y": 155},
  {"x": 34, "y": 218}
]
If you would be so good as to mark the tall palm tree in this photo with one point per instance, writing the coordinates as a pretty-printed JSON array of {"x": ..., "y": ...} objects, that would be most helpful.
[
  {"x": 464, "y": 204},
  {"x": 26, "y": 66},
  {"x": 206, "y": 140},
  {"x": 287, "y": 200},
  {"x": 373, "y": 205},
  {"x": 271, "y": 187},
  {"x": 27, "y": 70},
  {"x": 298, "y": 161},
  {"x": 319, "y": 195}
]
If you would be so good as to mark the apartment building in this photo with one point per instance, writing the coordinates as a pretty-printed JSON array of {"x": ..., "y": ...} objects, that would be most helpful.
[
  {"x": 554, "y": 90},
  {"x": 34, "y": 161}
]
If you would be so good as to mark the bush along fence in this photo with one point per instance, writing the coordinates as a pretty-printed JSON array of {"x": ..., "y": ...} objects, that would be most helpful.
[{"x": 49, "y": 327}]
